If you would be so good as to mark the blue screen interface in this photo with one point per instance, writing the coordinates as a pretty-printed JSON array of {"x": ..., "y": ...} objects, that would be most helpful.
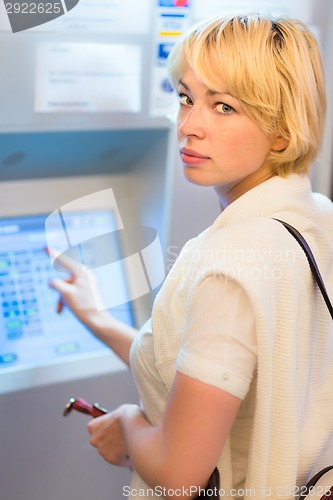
[{"x": 31, "y": 330}]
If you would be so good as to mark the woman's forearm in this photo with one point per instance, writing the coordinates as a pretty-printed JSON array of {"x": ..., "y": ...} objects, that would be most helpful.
[
  {"x": 113, "y": 333},
  {"x": 182, "y": 452},
  {"x": 154, "y": 458},
  {"x": 145, "y": 446}
]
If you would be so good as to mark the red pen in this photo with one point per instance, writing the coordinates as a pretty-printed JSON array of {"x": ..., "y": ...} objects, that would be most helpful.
[{"x": 82, "y": 406}]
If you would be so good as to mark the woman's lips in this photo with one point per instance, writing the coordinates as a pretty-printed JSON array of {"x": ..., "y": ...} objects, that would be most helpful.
[{"x": 191, "y": 157}]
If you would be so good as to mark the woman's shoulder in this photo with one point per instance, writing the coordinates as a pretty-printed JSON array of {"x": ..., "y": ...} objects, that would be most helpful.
[
  {"x": 248, "y": 232},
  {"x": 251, "y": 246}
]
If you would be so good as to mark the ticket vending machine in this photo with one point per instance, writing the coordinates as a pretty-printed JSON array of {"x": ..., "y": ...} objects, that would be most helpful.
[
  {"x": 85, "y": 152},
  {"x": 46, "y": 357}
]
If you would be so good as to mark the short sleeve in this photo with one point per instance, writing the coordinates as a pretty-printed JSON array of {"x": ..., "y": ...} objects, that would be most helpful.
[{"x": 220, "y": 346}]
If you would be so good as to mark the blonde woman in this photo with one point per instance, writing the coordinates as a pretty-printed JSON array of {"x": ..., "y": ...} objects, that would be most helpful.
[{"x": 235, "y": 369}]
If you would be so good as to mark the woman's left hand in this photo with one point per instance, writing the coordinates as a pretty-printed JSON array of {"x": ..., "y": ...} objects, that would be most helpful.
[{"x": 108, "y": 438}]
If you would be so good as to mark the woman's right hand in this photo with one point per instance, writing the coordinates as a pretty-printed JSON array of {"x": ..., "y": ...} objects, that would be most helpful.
[
  {"x": 78, "y": 291},
  {"x": 80, "y": 294}
]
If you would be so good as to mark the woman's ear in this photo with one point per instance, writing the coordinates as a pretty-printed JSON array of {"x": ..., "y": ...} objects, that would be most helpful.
[{"x": 279, "y": 144}]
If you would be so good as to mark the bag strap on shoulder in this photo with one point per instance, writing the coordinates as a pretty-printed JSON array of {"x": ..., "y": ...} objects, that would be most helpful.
[{"x": 312, "y": 262}]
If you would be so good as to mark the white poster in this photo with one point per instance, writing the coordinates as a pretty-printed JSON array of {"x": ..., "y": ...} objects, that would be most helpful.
[
  {"x": 88, "y": 77},
  {"x": 104, "y": 16}
]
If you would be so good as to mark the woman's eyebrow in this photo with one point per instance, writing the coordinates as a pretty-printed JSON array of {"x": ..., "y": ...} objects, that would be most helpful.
[
  {"x": 208, "y": 92},
  {"x": 183, "y": 85}
]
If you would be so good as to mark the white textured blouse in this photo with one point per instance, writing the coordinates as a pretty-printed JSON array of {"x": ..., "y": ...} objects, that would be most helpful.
[{"x": 280, "y": 359}]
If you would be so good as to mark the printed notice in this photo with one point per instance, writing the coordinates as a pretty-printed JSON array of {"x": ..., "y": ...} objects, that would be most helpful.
[
  {"x": 88, "y": 77},
  {"x": 104, "y": 16}
]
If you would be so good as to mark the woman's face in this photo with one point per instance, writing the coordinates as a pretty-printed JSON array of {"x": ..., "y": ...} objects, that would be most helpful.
[{"x": 219, "y": 144}]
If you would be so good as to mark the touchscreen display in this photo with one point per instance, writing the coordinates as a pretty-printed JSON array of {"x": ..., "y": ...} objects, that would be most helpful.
[{"x": 31, "y": 331}]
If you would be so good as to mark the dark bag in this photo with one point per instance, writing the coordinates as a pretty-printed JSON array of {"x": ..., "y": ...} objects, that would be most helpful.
[{"x": 320, "y": 485}]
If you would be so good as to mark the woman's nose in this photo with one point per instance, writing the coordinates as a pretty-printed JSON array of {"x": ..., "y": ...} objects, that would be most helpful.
[{"x": 190, "y": 122}]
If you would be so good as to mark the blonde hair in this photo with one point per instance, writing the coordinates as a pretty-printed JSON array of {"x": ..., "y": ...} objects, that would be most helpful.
[{"x": 274, "y": 67}]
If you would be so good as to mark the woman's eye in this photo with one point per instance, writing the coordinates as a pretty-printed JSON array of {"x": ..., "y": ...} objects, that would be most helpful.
[
  {"x": 223, "y": 108},
  {"x": 184, "y": 99}
]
